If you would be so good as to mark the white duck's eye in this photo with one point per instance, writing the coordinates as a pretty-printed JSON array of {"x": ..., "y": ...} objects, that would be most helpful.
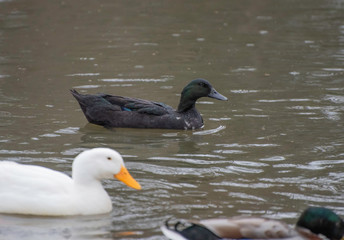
[{"x": 109, "y": 158}]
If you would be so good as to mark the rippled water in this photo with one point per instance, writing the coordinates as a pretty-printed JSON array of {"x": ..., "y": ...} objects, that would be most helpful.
[{"x": 274, "y": 148}]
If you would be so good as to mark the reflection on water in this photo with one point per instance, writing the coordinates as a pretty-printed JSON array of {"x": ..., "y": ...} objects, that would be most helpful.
[
  {"x": 274, "y": 148},
  {"x": 22, "y": 227}
]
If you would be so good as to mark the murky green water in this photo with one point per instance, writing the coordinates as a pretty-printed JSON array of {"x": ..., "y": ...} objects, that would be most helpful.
[{"x": 273, "y": 149}]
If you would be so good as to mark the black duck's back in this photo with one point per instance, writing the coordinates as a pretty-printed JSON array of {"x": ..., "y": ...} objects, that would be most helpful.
[{"x": 117, "y": 111}]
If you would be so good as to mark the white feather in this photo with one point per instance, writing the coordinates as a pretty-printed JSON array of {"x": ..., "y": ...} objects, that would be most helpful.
[{"x": 35, "y": 190}]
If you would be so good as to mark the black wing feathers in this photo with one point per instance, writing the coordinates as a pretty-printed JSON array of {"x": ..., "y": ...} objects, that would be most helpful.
[{"x": 138, "y": 105}]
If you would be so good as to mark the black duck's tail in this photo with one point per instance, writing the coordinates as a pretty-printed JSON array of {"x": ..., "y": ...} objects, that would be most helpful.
[
  {"x": 76, "y": 94},
  {"x": 83, "y": 100},
  {"x": 187, "y": 231},
  {"x": 96, "y": 109}
]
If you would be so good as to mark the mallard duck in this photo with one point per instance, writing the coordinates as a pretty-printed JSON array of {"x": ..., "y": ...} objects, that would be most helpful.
[
  {"x": 313, "y": 221},
  {"x": 125, "y": 112},
  {"x": 36, "y": 190}
]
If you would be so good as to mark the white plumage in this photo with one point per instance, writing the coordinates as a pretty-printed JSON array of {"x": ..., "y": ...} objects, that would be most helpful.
[{"x": 35, "y": 190}]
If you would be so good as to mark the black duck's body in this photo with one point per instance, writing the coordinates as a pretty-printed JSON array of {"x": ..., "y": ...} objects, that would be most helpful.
[{"x": 125, "y": 112}]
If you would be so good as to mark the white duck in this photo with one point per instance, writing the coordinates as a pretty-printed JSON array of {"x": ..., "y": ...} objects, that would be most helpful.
[{"x": 35, "y": 190}]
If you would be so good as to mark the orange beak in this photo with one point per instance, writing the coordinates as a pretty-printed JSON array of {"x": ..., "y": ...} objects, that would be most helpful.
[{"x": 125, "y": 177}]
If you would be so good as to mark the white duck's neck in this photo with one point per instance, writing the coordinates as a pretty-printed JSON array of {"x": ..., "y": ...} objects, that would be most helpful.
[
  {"x": 92, "y": 195},
  {"x": 84, "y": 173},
  {"x": 82, "y": 178}
]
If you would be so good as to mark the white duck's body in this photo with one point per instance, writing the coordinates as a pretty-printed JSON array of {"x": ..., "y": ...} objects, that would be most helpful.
[{"x": 35, "y": 190}]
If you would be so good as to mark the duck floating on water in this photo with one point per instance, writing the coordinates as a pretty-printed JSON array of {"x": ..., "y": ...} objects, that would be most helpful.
[
  {"x": 126, "y": 112},
  {"x": 36, "y": 190},
  {"x": 312, "y": 222}
]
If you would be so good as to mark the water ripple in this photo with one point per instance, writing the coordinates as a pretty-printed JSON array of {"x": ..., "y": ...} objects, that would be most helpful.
[
  {"x": 187, "y": 160},
  {"x": 210, "y": 131},
  {"x": 133, "y": 80},
  {"x": 247, "y": 185},
  {"x": 315, "y": 198},
  {"x": 249, "y": 145},
  {"x": 200, "y": 155},
  {"x": 273, "y": 159},
  {"x": 246, "y": 196},
  {"x": 285, "y": 100}
]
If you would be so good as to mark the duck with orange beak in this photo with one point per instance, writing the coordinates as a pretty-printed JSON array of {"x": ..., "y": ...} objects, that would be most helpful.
[{"x": 36, "y": 190}]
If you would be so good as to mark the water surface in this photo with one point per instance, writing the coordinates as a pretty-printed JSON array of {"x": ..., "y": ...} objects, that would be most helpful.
[{"x": 273, "y": 149}]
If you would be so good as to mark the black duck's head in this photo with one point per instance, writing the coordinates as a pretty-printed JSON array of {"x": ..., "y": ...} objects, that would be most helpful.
[
  {"x": 196, "y": 89},
  {"x": 323, "y": 221}
]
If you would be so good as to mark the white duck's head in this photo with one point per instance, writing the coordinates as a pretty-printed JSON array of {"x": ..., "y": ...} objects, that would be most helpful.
[{"x": 101, "y": 163}]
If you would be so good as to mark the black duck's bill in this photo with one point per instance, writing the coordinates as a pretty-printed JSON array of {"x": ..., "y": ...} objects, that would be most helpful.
[{"x": 216, "y": 95}]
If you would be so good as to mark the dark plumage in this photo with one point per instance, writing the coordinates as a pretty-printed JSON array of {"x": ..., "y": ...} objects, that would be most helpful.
[
  {"x": 125, "y": 112},
  {"x": 322, "y": 221},
  {"x": 313, "y": 221}
]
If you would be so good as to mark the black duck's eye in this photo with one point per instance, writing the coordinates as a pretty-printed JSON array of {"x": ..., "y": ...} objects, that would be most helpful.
[
  {"x": 109, "y": 158},
  {"x": 202, "y": 84}
]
